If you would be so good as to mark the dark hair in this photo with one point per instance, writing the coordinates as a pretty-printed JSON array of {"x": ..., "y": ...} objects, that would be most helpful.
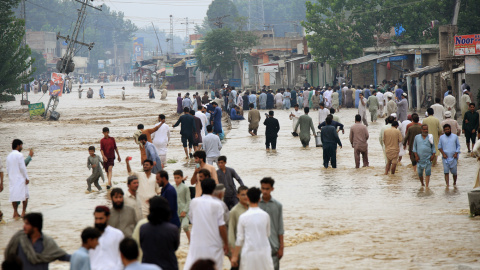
[
  {"x": 270, "y": 113},
  {"x": 389, "y": 119},
  {"x": 251, "y": 105},
  {"x": 222, "y": 158},
  {"x": 203, "y": 264},
  {"x": 143, "y": 137},
  {"x": 267, "y": 180},
  {"x": 159, "y": 210},
  {"x": 437, "y": 100},
  {"x": 322, "y": 104},
  {"x": 430, "y": 111},
  {"x": 16, "y": 143},
  {"x": 35, "y": 219},
  {"x": 254, "y": 194},
  {"x": 91, "y": 148},
  {"x": 208, "y": 186},
  {"x": 186, "y": 110},
  {"x": 468, "y": 87},
  {"x": 332, "y": 110},
  {"x": 129, "y": 248},
  {"x": 447, "y": 125},
  {"x": 306, "y": 109},
  {"x": 192, "y": 112},
  {"x": 209, "y": 128},
  {"x": 395, "y": 124},
  {"x": 214, "y": 103},
  {"x": 178, "y": 172},
  {"x": 471, "y": 104},
  {"x": 163, "y": 174},
  {"x": 241, "y": 188},
  {"x": 161, "y": 116},
  {"x": 415, "y": 118},
  {"x": 116, "y": 191},
  {"x": 140, "y": 126},
  {"x": 328, "y": 120},
  {"x": 131, "y": 178},
  {"x": 463, "y": 80},
  {"x": 205, "y": 172},
  {"x": 14, "y": 263},
  {"x": 105, "y": 129},
  {"x": 449, "y": 88},
  {"x": 149, "y": 161},
  {"x": 90, "y": 233},
  {"x": 200, "y": 154},
  {"x": 358, "y": 118},
  {"x": 102, "y": 209}
]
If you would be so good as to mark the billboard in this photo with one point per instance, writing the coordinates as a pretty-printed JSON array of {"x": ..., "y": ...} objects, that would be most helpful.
[
  {"x": 138, "y": 48},
  {"x": 418, "y": 59},
  {"x": 56, "y": 84},
  {"x": 191, "y": 63},
  {"x": 36, "y": 109},
  {"x": 169, "y": 70},
  {"x": 467, "y": 45}
]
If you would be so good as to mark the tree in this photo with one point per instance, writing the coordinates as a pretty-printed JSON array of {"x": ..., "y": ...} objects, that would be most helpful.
[
  {"x": 39, "y": 64},
  {"x": 221, "y": 8},
  {"x": 14, "y": 57},
  {"x": 222, "y": 47},
  {"x": 335, "y": 32}
]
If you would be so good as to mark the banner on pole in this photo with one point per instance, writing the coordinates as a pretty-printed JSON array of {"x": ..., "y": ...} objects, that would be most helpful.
[{"x": 56, "y": 84}]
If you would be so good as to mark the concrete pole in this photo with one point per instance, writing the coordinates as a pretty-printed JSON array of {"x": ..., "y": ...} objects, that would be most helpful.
[
  {"x": 409, "y": 86},
  {"x": 418, "y": 92}
]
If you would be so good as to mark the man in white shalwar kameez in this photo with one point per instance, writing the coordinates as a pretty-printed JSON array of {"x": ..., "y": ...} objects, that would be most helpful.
[
  {"x": 327, "y": 98},
  {"x": 161, "y": 138},
  {"x": 362, "y": 108},
  {"x": 201, "y": 115},
  {"x": 17, "y": 174},
  {"x": 294, "y": 117},
  {"x": 449, "y": 102},
  {"x": 253, "y": 230},
  {"x": 322, "y": 113},
  {"x": 208, "y": 238}
]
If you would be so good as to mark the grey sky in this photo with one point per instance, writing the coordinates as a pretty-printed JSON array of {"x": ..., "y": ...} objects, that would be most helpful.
[{"x": 143, "y": 12}]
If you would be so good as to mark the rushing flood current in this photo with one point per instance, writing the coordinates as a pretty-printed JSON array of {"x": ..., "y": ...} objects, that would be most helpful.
[{"x": 334, "y": 218}]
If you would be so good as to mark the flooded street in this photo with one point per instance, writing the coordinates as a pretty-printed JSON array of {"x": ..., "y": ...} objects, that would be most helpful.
[{"x": 342, "y": 218}]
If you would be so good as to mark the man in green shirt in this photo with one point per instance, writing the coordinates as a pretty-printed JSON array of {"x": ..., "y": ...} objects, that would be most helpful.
[
  {"x": 240, "y": 208},
  {"x": 183, "y": 201},
  {"x": 274, "y": 210}
]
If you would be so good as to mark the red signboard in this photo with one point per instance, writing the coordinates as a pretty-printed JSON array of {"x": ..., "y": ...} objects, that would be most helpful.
[{"x": 467, "y": 45}]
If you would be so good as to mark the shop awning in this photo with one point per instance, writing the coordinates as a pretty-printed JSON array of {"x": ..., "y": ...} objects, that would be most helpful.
[
  {"x": 295, "y": 59},
  {"x": 366, "y": 58},
  {"x": 424, "y": 71}
]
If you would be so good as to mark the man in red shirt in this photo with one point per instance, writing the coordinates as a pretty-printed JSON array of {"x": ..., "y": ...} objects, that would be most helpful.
[{"x": 108, "y": 147}]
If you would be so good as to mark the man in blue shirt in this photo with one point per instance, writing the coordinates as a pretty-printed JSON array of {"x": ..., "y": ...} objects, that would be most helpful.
[
  {"x": 424, "y": 149},
  {"x": 234, "y": 114},
  {"x": 399, "y": 92},
  {"x": 80, "y": 259},
  {"x": 216, "y": 121},
  {"x": 169, "y": 193},
  {"x": 449, "y": 146}
]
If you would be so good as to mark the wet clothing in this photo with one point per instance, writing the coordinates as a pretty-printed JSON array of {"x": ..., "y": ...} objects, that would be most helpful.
[
  {"x": 348, "y": 98},
  {"x": 402, "y": 107},
  {"x": 335, "y": 100},
  {"x": 217, "y": 120},
  {"x": 454, "y": 126},
  {"x": 330, "y": 140},
  {"x": 357, "y": 97},
  {"x": 305, "y": 123},
  {"x": 362, "y": 110},
  {"x": 159, "y": 243},
  {"x": 450, "y": 102},
  {"x": 450, "y": 145},
  {"x": 464, "y": 103},
  {"x": 179, "y": 105},
  {"x": 253, "y": 120},
  {"x": 424, "y": 149},
  {"x": 434, "y": 129},
  {"x": 391, "y": 139},
  {"x": 293, "y": 101},
  {"x": 226, "y": 178},
  {"x": 271, "y": 132},
  {"x": 234, "y": 115},
  {"x": 235, "y": 213},
  {"x": 123, "y": 219},
  {"x": 186, "y": 103},
  {"x": 373, "y": 107},
  {"x": 183, "y": 204},
  {"x": 246, "y": 103},
  {"x": 169, "y": 193},
  {"x": 96, "y": 172},
  {"x": 275, "y": 210},
  {"x": 358, "y": 138},
  {"x": 438, "y": 111}
]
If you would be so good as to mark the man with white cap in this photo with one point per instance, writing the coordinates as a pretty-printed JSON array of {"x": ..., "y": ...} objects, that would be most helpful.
[
  {"x": 438, "y": 110},
  {"x": 454, "y": 126},
  {"x": 450, "y": 102},
  {"x": 465, "y": 101}
]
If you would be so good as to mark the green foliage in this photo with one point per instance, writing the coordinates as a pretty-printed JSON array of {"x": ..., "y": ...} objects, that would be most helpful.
[
  {"x": 221, "y": 8},
  {"x": 39, "y": 64},
  {"x": 222, "y": 47},
  {"x": 469, "y": 19},
  {"x": 14, "y": 58},
  {"x": 101, "y": 27}
]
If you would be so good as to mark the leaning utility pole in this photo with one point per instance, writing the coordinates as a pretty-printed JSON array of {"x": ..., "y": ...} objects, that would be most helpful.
[
  {"x": 171, "y": 34},
  {"x": 65, "y": 64},
  {"x": 218, "y": 21},
  {"x": 158, "y": 40}
]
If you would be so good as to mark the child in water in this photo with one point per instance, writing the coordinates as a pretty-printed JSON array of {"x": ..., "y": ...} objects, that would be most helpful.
[{"x": 94, "y": 162}]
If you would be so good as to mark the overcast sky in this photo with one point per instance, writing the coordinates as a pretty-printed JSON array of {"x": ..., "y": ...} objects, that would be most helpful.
[{"x": 143, "y": 12}]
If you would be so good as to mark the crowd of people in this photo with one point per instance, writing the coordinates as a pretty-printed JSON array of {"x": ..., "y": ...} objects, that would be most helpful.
[{"x": 141, "y": 230}]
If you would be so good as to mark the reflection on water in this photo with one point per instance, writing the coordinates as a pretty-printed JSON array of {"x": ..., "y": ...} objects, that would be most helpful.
[{"x": 334, "y": 218}]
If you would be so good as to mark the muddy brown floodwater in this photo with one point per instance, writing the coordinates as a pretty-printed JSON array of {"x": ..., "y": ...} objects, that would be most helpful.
[{"x": 342, "y": 218}]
